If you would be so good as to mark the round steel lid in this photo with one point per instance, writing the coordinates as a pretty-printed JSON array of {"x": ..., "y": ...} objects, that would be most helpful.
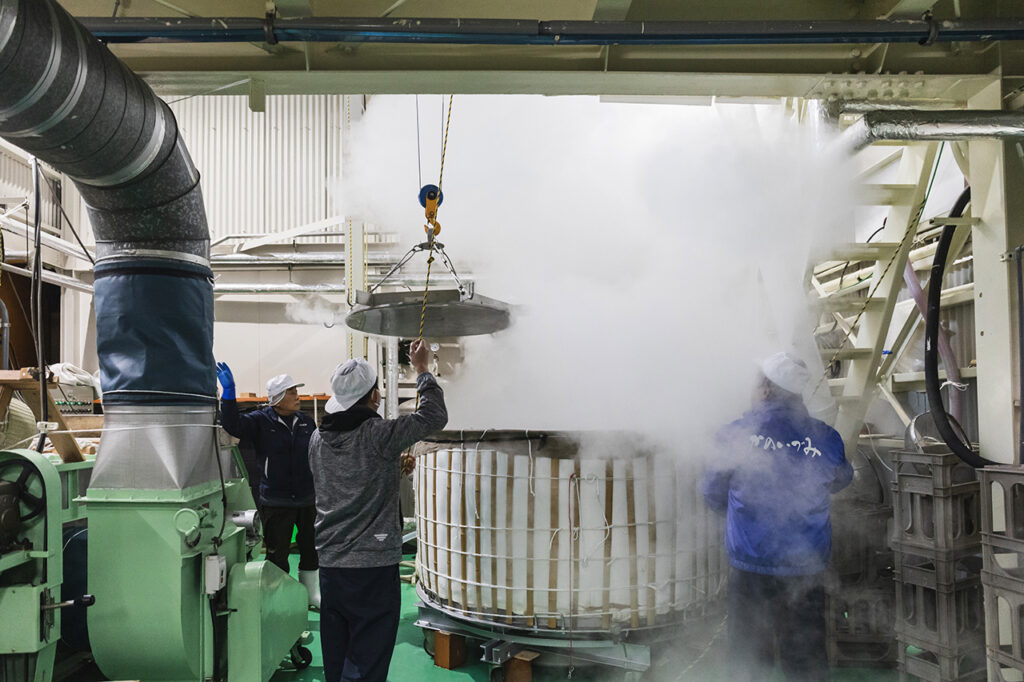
[{"x": 448, "y": 314}]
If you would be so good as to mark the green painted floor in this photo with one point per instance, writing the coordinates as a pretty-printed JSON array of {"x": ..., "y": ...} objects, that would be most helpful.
[{"x": 675, "y": 664}]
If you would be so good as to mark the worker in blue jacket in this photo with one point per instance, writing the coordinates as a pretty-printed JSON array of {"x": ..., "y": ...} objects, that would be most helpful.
[
  {"x": 775, "y": 471},
  {"x": 279, "y": 433}
]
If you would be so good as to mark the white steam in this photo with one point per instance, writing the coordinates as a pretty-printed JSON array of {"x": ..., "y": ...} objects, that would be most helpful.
[{"x": 653, "y": 251}]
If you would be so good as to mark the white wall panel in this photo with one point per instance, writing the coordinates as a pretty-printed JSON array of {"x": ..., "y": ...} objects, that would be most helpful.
[
  {"x": 227, "y": 144},
  {"x": 264, "y": 172}
]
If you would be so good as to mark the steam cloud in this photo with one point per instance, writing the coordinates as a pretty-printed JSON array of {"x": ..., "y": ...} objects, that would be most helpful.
[{"x": 653, "y": 251}]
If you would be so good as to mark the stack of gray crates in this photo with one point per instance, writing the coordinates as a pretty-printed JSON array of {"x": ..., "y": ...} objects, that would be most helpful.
[
  {"x": 1002, "y": 495},
  {"x": 940, "y": 623},
  {"x": 861, "y": 598}
]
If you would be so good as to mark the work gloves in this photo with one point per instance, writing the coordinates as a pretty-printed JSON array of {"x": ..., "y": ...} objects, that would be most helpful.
[{"x": 227, "y": 381}]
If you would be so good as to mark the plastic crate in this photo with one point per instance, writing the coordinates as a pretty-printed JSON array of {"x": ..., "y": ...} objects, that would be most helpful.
[
  {"x": 862, "y": 651},
  {"x": 930, "y": 515},
  {"x": 1004, "y": 621},
  {"x": 1002, "y": 486},
  {"x": 998, "y": 672},
  {"x": 941, "y": 665},
  {"x": 943, "y": 618},
  {"x": 935, "y": 568},
  {"x": 1003, "y": 557},
  {"x": 925, "y": 472},
  {"x": 861, "y": 627},
  {"x": 861, "y": 555}
]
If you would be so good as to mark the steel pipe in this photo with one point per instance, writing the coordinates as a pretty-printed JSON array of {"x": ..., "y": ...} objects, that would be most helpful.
[
  {"x": 917, "y": 124},
  {"x": 48, "y": 240},
  {"x": 294, "y": 260},
  {"x": 532, "y": 32},
  {"x": 50, "y": 278}
]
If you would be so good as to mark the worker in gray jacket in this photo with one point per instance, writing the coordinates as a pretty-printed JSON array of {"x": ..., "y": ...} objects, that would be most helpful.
[{"x": 354, "y": 457}]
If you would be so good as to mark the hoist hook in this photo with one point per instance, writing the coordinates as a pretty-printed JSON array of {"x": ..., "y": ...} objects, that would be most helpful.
[{"x": 431, "y": 197}]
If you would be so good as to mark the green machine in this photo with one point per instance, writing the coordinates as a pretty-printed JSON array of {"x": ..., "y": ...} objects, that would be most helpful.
[
  {"x": 170, "y": 541},
  {"x": 37, "y": 497}
]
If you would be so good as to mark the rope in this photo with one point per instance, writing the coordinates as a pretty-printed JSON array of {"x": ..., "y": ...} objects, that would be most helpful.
[
  {"x": 912, "y": 228},
  {"x": 444, "y": 143},
  {"x": 432, "y": 224},
  {"x": 911, "y": 231}
]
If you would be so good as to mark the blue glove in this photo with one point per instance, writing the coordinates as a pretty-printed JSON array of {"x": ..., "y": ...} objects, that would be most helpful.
[{"x": 227, "y": 381}]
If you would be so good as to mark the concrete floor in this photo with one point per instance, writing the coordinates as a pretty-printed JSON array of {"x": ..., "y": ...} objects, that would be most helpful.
[
  {"x": 676, "y": 663},
  {"x": 696, "y": 657}
]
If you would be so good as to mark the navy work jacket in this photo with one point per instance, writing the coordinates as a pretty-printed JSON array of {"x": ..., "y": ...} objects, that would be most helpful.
[
  {"x": 773, "y": 475},
  {"x": 281, "y": 452}
]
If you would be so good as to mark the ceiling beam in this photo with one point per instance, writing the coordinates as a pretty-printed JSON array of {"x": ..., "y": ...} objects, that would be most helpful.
[
  {"x": 904, "y": 9},
  {"x": 612, "y": 10}
]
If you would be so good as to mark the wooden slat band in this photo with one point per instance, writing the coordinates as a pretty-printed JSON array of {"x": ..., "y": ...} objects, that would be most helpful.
[{"x": 634, "y": 598}]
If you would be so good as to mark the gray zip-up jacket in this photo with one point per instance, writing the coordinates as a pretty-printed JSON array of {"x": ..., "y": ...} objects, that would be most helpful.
[{"x": 354, "y": 457}]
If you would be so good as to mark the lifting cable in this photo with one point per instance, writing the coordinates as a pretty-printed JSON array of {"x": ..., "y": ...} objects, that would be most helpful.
[{"x": 431, "y": 198}]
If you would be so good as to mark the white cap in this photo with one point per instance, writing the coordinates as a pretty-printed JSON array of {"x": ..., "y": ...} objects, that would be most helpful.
[
  {"x": 787, "y": 372},
  {"x": 350, "y": 381},
  {"x": 278, "y": 385}
]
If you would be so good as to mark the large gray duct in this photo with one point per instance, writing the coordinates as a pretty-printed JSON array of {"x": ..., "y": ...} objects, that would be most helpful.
[{"x": 68, "y": 100}]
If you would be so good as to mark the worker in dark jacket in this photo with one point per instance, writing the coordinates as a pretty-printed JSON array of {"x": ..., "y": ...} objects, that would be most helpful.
[
  {"x": 279, "y": 433},
  {"x": 775, "y": 470},
  {"x": 355, "y": 461}
]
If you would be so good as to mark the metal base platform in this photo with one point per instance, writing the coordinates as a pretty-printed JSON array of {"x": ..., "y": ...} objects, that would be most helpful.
[
  {"x": 449, "y": 313},
  {"x": 499, "y": 647}
]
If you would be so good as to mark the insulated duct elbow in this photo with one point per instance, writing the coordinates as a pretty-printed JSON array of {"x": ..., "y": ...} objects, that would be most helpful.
[
  {"x": 917, "y": 124},
  {"x": 65, "y": 98}
]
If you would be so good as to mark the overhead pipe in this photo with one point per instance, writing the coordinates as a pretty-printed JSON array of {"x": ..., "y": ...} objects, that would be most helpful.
[
  {"x": 921, "y": 124},
  {"x": 532, "y": 32},
  {"x": 295, "y": 260},
  {"x": 50, "y": 278},
  {"x": 56, "y": 243}
]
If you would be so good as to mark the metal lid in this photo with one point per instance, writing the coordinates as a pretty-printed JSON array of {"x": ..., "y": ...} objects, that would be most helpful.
[{"x": 448, "y": 313}]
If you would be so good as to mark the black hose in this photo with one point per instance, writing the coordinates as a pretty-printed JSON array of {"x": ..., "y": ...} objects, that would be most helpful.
[{"x": 931, "y": 345}]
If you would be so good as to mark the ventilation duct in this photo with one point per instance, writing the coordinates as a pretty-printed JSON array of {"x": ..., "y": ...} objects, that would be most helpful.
[{"x": 66, "y": 99}]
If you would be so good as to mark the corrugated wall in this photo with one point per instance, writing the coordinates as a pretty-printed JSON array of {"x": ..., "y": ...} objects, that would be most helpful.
[{"x": 264, "y": 172}]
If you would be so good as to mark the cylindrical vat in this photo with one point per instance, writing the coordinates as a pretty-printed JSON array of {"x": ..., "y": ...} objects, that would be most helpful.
[{"x": 564, "y": 533}]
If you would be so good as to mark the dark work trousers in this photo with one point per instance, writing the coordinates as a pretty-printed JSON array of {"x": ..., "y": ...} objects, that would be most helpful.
[
  {"x": 359, "y": 610},
  {"x": 769, "y": 610},
  {"x": 277, "y": 533}
]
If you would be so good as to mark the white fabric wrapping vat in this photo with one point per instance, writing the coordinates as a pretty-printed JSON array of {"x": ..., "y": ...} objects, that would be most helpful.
[{"x": 536, "y": 532}]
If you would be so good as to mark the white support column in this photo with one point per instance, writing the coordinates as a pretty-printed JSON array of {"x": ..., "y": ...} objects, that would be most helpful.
[
  {"x": 391, "y": 386},
  {"x": 997, "y": 174},
  {"x": 358, "y": 345}
]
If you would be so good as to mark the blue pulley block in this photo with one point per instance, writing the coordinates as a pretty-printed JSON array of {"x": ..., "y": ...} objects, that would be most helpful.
[{"x": 431, "y": 189}]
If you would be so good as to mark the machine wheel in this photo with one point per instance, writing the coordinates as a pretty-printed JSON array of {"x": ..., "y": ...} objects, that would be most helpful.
[
  {"x": 301, "y": 657},
  {"x": 28, "y": 474}
]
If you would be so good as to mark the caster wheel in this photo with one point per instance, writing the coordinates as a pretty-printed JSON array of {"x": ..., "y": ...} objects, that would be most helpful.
[{"x": 301, "y": 657}]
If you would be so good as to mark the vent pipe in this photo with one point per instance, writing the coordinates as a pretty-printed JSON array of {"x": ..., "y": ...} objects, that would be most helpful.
[
  {"x": 918, "y": 124},
  {"x": 65, "y": 98}
]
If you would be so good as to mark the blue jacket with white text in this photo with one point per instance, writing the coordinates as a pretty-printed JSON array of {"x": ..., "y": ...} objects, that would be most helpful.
[{"x": 775, "y": 471}]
